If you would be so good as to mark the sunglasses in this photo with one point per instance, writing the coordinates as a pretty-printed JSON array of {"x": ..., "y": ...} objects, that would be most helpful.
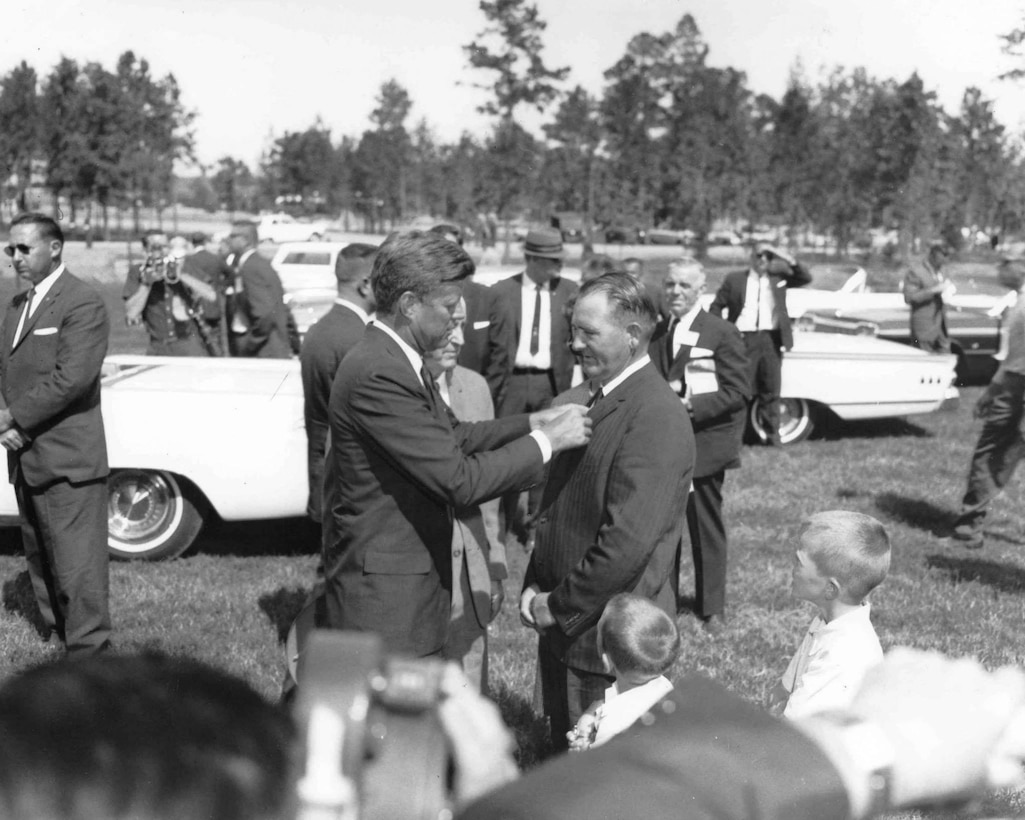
[{"x": 24, "y": 250}]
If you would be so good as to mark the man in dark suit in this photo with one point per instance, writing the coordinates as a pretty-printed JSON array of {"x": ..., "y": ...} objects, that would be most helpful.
[
  {"x": 259, "y": 318},
  {"x": 326, "y": 344},
  {"x": 611, "y": 516},
  {"x": 399, "y": 464},
  {"x": 488, "y": 336},
  {"x": 53, "y": 342},
  {"x": 702, "y": 357},
  {"x": 755, "y": 300},
  {"x": 924, "y": 288}
]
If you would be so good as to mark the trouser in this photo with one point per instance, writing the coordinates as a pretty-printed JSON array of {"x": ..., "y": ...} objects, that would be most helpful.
[
  {"x": 467, "y": 640},
  {"x": 566, "y": 693},
  {"x": 64, "y": 534},
  {"x": 708, "y": 544},
  {"x": 766, "y": 368},
  {"x": 526, "y": 391},
  {"x": 997, "y": 453}
]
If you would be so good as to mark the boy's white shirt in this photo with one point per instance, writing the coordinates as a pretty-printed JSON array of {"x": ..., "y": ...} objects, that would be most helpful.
[
  {"x": 831, "y": 662},
  {"x": 622, "y": 709}
]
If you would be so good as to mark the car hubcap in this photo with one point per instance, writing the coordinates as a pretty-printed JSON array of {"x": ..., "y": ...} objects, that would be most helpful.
[{"x": 143, "y": 507}]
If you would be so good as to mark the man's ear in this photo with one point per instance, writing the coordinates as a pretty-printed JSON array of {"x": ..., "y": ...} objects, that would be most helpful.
[
  {"x": 633, "y": 330},
  {"x": 407, "y": 304},
  {"x": 832, "y": 589},
  {"x": 609, "y": 668}
]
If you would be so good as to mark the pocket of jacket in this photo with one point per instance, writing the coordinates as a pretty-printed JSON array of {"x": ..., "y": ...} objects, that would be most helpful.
[{"x": 397, "y": 563}]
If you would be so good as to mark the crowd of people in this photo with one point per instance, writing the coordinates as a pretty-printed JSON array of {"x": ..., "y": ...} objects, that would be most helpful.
[{"x": 427, "y": 399}]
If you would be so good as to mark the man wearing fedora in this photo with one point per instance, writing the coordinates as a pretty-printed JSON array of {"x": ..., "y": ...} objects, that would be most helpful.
[
  {"x": 535, "y": 306},
  {"x": 755, "y": 300}
]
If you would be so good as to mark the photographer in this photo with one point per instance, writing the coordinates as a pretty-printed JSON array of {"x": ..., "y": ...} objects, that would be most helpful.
[{"x": 170, "y": 302}]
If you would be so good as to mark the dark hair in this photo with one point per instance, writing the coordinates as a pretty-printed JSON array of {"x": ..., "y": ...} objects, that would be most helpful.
[
  {"x": 447, "y": 229},
  {"x": 144, "y": 240},
  {"x": 354, "y": 261},
  {"x": 252, "y": 233},
  {"x": 148, "y": 737},
  {"x": 637, "y": 635},
  {"x": 417, "y": 262},
  {"x": 47, "y": 226},
  {"x": 628, "y": 297}
]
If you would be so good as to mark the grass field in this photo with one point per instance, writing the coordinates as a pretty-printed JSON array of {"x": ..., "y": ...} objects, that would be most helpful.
[{"x": 231, "y": 608}]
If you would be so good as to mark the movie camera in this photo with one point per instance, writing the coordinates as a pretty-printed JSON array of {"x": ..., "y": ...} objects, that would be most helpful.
[{"x": 162, "y": 269}]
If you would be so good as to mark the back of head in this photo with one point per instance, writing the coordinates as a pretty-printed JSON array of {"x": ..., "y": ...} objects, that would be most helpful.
[
  {"x": 637, "y": 636},
  {"x": 354, "y": 262},
  {"x": 199, "y": 239},
  {"x": 147, "y": 738},
  {"x": 1011, "y": 273},
  {"x": 47, "y": 226},
  {"x": 628, "y": 298},
  {"x": 247, "y": 230},
  {"x": 850, "y": 546},
  {"x": 414, "y": 261}
]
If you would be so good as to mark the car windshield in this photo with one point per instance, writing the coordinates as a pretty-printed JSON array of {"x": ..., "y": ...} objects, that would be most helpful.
[{"x": 307, "y": 258}]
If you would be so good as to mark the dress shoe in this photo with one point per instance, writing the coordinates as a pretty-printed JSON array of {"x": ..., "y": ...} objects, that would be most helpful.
[{"x": 714, "y": 625}]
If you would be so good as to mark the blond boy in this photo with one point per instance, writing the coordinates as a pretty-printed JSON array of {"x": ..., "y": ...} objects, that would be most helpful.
[{"x": 842, "y": 557}]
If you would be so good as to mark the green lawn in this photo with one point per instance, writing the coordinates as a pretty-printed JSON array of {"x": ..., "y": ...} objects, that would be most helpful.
[{"x": 231, "y": 608}]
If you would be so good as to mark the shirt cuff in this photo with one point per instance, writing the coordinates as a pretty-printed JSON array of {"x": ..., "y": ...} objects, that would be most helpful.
[{"x": 544, "y": 444}]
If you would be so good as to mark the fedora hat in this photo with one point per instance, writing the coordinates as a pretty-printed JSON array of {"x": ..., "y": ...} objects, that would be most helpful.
[{"x": 543, "y": 242}]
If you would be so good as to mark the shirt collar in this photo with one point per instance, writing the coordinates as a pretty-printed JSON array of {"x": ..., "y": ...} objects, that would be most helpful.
[
  {"x": 354, "y": 308},
  {"x": 44, "y": 287},
  {"x": 242, "y": 259},
  {"x": 416, "y": 361},
  {"x": 687, "y": 319},
  {"x": 628, "y": 371},
  {"x": 850, "y": 618}
]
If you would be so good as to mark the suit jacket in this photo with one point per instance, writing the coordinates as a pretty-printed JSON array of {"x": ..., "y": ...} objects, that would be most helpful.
[
  {"x": 262, "y": 305},
  {"x": 612, "y": 513},
  {"x": 396, "y": 469},
  {"x": 478, "y": 526},
  {"x": 733, "y": 291},
  {"x": 562, "y": 290},
  {"x": 718, "y": 417},
  {"x": 706, "y": 755},
  {"x": 325, "y": 345},
  {"x": 928, "y": 313},
  {"x": 487, "y": 338},
  {"x": 51, "y": 383}
]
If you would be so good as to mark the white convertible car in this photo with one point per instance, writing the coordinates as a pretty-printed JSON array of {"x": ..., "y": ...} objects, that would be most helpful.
[{"x": 193, "y": 438}]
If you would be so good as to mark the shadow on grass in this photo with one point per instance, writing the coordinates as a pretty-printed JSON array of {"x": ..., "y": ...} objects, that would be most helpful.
[
  {"x": 19, "y": 598},
  {"x": 836, "y": 428},
  {"x": 280, "y": 536},
  {"x": 282, "y": 606},
  {"x": 10, "y": 540},
  {"x": 533, "y": 743},
  {"x": 1000, "y": 576},
  {"x": 915, "y": 512}
]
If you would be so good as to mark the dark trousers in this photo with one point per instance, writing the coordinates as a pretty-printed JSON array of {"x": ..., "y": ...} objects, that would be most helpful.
[
  {"x": 526, "y": 391},
  {"x": 566, "y": 693},
  {"x": 708, "y": 544},
  {"x": 64, "y": 534},
  {"x": 765, "y": 359},
  {"x": 997, "y": 453}
]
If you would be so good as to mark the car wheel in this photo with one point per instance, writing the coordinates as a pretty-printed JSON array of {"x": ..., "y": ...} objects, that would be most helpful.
[
  {"x": 796, "y": 420},
  {"x": 150, "y": 516}
]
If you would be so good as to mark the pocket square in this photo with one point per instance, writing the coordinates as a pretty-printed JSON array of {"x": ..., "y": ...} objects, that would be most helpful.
[
  {"x": 44, "y": 331},
  {"x": 700, "y": 353},
  {"x": 481, "y": 325}
]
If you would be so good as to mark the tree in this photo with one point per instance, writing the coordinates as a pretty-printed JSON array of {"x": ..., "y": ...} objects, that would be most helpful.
[
  {"x": 382, "y": 160},
  {"x": 300, "y": 168},
  {"x": 569, "y": 177},
  {"x": 19, "y": 128},
  {"x": 510, "y": 46},
  {"x": 1014, "y": 42},
  {"x": 234, "y": 185}
]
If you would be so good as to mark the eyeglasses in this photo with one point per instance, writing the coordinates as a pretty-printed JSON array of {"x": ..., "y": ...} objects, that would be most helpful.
[{"x": 24, "y": 250}]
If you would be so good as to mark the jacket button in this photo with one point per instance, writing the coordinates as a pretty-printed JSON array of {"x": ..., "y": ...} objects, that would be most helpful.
[{"x": 456, "y": 553}]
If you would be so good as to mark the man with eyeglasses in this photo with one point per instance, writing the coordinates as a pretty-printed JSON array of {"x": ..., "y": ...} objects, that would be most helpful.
[{"x": 52, "y": 344}]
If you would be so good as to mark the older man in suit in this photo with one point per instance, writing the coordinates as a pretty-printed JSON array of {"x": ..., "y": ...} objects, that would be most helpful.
[
  {"x": 611, "y": 516},
  {"x": 53, "y": 341},
  {"x": 755, "y": 300},
  {"x": 478, "y": 555},
  {"x": 399, "y": 464},
  {"x": 702, "y": 357},
  {"x": 925, "y": 287},
  {"x": 259, "y": 318},
  {"x": 327, "y": 342}
]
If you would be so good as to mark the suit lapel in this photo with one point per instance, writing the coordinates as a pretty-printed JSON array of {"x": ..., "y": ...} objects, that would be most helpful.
[{"x": 44, "y": 305}]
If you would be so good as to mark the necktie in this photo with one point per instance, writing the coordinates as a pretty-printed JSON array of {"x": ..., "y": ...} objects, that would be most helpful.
[
  {"x": 597, "y": 396},
  {"x": 25, "y": 314},
  {"x": 432, "y": 392},
  {"x": 670, "y": 346},
  {"x": 535, "y": 328}
]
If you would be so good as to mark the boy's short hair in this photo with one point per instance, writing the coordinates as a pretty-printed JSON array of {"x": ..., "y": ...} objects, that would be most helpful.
[
  {"x": 849, "y": 546},
  {"x": 637, "y": 635}
]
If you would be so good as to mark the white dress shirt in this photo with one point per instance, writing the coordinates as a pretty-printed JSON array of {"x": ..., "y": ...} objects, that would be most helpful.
[
  {"x": 759, "y": 311},
  {"x": 542, "y": 360}
]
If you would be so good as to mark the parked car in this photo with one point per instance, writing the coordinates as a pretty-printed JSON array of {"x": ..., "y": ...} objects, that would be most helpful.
[
  {"x": 974, "y": 333},
  {"x": 668, "y": 236},
  {"x": 286, "y": 228},
  {"x": 626, "y": 234},
  {"x": 570, "y": 224},
  {"x": 723, "y": 238},
  {"x": 305, "y": 265}
]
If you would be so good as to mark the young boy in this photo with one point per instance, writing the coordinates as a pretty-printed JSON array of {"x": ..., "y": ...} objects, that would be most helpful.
[
  {"x": 638, "y": 643},
  {"x": 842, "y": 557}
]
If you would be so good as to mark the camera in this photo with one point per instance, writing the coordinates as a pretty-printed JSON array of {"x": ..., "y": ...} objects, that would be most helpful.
[
  {"x": 374, "y": 746},
  {"x": 161, "y": 269}
]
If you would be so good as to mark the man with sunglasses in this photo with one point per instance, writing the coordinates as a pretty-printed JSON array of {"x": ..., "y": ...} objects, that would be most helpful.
[{"x": 52, "y": 343}]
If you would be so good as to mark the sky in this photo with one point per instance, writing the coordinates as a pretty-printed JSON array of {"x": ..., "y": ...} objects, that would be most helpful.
[{"x": 254, "y": 69}]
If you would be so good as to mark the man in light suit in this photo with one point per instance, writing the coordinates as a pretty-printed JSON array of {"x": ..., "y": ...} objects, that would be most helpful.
[
  {"x": 611, "y": 516},
  {"x": 399, "y": 463},
  {"x": 755, "y": 300},
  {"x": 702, "y": 357},
  {"x": 259, "y": 321},
  {"x": 925, "y": 286},
  {"x": 327, "y": 342},
  {"x": 52, "y": 346},
  {"x": 478, "y": 555}
]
